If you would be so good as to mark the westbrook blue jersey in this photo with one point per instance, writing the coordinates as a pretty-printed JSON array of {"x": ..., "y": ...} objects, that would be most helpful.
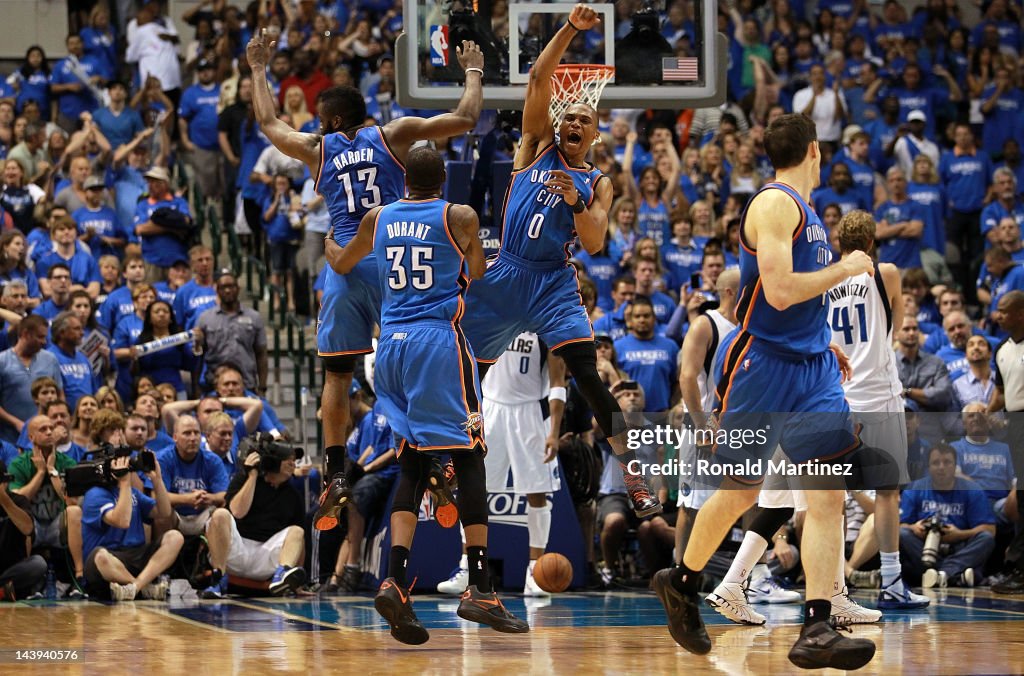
[
  {"x": 419, "y": 264},
  {"x": 357, "y": 175},
  {"x": 538, "y": 224},
  {"x": 801, "y": 330}
]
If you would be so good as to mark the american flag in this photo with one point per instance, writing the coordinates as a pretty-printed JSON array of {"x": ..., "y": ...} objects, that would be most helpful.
[{"x": 673, "y": 68}]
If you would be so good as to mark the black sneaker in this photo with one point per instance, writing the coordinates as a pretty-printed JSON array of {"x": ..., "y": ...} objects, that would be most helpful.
[
  {"x": 445, "y": 511},
  {"x": 336, "y": 495},
  {"x": 683, "y": 611},
  {"x": 820, "y": 646},
  {"x": 395, "y": 605},
  {"x": 644, "y": 501},
  {"x": 1011, "y": 584},
  {"x": 351, "y": 580},
  {"x": 476, "y": 606}
]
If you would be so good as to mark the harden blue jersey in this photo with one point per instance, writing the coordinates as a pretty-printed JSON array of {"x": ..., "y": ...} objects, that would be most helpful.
[
  {"x": 538, "y": 224},
  {"x": 801, "y": 330},
  {"x": 419, "y": 263},
  {"x": 357, "y": 175}
]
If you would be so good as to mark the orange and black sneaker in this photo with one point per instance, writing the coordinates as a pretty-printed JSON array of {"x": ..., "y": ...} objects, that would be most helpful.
[
  {"x": 645, "y": 503},
  {"x": 395, "y": 605},
  {"x": 336, "y": 495},
  {"x": 445, "y": 510},
  {"x": 476, "y": 606}
]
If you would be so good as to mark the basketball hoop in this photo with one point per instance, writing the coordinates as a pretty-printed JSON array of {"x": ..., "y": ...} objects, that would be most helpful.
[{"x": 577, "y": 83}]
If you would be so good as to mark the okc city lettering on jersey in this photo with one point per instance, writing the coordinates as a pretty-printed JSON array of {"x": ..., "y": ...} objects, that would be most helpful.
[
  {"x": 408, "y": 229},
  {"x": 544, "y": 197},
  {"x": 848, "y": 290},
  {"x": 816, "y": 233},
  {"x": 348, "y": 157}
]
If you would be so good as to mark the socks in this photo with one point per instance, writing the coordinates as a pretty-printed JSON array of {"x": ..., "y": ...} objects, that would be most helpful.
[
  {"x": 538, "y": 525},
  {"x": 685, "y": 580},
  {"x": 751, "y": 550},
  {"x": 397, "y": 564},
  {"x": 464, "y": 563},
  {"x": 477, "y": 557},
  {"x": 816, "y": 611},
  {"x": 335, "y": 460},
  {"x": 890, "y": 568}
]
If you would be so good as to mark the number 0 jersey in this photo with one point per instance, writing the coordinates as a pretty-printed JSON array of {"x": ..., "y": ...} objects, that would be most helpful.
[
  {"x": 520, "y": 376},
  {"x": 538, "y": 224},
  {"x": 861, "y": 320},
  {"x": 357, "y": 175},
  {"x": 419, "y": 263}
]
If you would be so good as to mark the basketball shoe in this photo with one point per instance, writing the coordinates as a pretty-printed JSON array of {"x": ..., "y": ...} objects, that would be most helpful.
[
  {"x": 1011, "y": 584},
  {"x": 156, "y": 590},
  {"x": 820, "y": 646},
  {"x": 335, "y": 496},
  {"x": 683, "y": 611},
  {"x": 286, "y": 579},
  {"x": 122, "y": 592},
  {"x": 531, "y": 588},
  {"x": 445, "y": 511},
  {"x": 218, "y": 589},
  {"x": 487, "y": 608},
  {"x": 934, "y": 578},
  {"x": 459, "y": 580},
  {"x": 645, "y": 503},
  {"x": 395, "y": 605},
  {"x": 767, "y": 590},
  {"x": 730, "y": 599},
  {"x": 898, "y": 596},
  {"x": 847, "y": 611}
]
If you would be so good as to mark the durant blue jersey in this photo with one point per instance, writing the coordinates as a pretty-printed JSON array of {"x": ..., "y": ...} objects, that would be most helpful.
[
  {"x": 538, "y": 224},
  {"x": 357, "y": 175},
  {"x": 801, "y": 330},
  {"x": 419, "y": 264}
]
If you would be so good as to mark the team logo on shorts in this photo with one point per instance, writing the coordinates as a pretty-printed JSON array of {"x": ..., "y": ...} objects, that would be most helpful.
[
  {"x": 473, "y": 423},
  {"x": 746, "y": 364}
]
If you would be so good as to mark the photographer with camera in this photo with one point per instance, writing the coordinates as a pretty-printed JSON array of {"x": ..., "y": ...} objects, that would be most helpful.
[
  {"x": 259, "y": 536},
  {"x": 947, "y": 527},
  {"x": 195, "y": 479},
  {"x": 22, "y": 573},
  {"x": 118, "y": 561}
]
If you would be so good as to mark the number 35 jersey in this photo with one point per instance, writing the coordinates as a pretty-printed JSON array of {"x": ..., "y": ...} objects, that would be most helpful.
[
  {"x": 419, "y": 263},
  {"x": 538, "y": 224},
  {"x": 861, "y": 321},
  {"x": 357, "y": 175}
]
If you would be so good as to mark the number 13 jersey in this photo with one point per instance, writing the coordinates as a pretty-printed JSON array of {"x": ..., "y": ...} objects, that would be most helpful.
[{"x": 861, "y": 319}]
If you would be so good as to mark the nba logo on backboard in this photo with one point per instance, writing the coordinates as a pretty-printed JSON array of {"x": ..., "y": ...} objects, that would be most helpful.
[{"x": 439, "y": 45}]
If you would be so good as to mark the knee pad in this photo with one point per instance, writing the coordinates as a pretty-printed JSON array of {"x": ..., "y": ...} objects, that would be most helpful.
[
  {"x": 469, "y": 467},
  {"x": 769, "y": 520},
  {"x": 411, "y": 475},
  {"x": 339, "y": 363},
  {"x": 581, "y": 361}
]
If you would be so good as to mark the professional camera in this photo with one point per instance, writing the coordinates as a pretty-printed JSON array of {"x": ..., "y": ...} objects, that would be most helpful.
[
  {"x": 5, "y": 478},
  {"x": 98, "y": 471},
  {"x": 933, "y": 538},
  {"x": 272, "y": 453}
]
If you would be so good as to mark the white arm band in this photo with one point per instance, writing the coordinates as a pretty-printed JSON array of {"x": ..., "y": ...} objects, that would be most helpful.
[{"x": 557, "y": 394}]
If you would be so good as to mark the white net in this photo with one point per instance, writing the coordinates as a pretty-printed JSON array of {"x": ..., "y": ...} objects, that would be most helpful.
[{"x": 577, "y": 83}]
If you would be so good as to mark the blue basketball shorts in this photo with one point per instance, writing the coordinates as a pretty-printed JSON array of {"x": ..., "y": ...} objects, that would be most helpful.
[
  {"x": 516, "y": 296},
  {"x": 766, "y": 400},
  {"x": 427, "y": 383},
  {"x": 349, "y": 311}
]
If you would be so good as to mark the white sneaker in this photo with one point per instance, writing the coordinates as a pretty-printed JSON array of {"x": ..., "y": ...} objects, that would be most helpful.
[
  {"x": 606, "y": 576},
  {"x": 156, "y": 590},
  {"x": 122, "y": 592},
  {"x": 730, "y": 600},
  {"x": 847, "y": 611},
  {"x": 933, "y": 578},
  {"x": 456, "y": 584},
  {"x": 767, "y": 590},
  {"x": 531, "y": 588}
]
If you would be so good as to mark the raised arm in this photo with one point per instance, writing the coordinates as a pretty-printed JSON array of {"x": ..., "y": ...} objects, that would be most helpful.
[
  {"x": 294, "y": 144},
  {"x": 537, "y": 127},
  {"x": 343, "y": 259},
  {"x": 465, "y": 226},
  {"x": 401, "y": 133}
]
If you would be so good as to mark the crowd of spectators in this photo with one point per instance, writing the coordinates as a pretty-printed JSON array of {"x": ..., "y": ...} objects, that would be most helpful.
[{"x": 109, "y": 148}]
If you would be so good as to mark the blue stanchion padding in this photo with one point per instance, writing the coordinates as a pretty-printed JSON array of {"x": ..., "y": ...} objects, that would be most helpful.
[
  {"x": 459, "y": 181},
  {"x": 501, "y": 174}
]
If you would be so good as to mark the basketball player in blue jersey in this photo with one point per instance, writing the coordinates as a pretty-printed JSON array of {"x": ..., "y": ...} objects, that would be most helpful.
[
  {"x": 355, "y": 168},
  {"x": 554, "y": 195},
  {"x": 426, "y": 377},
  {"x": 779, "y": 360}
]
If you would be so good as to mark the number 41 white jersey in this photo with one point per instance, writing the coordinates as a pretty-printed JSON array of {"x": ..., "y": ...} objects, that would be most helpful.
[
  {"x": 861, "y": 319},
  {"x": 520, "y": 376}
]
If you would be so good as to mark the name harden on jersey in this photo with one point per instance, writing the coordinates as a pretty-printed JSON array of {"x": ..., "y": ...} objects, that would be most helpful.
[
  {"x": 408, "y": 229},
  {"x": 346, "y": 158}
]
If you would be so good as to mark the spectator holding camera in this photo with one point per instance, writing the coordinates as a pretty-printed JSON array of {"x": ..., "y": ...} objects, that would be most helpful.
[
  {"x": 22, "y": 574},
  {"x": 119, "y": 563},
  {"x": 259, "y": 535},
  {"x": 195, "y": 479},
  {"x": 952, "y": 547}
]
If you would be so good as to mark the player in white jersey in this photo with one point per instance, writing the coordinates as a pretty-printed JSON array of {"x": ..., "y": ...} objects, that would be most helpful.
[
  {"x": 863, "y": 311},
  {"x": 513, "y": 389}
]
